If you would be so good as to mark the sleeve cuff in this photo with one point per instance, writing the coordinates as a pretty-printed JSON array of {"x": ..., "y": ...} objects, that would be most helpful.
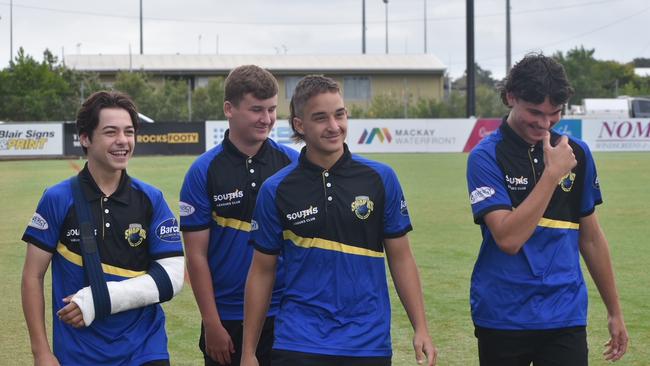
[
  {"x": 262, "y": 249},
  {"x": 32, "y": 240},
  {"x": 478, "y": 217},
  {"x": 194, "y": 227},
  {"x": 398, "y": 234}
]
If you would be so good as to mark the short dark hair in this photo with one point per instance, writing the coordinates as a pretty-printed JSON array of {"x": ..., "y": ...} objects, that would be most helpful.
[
  {"x": 249, "y": 79},
  {"x": 536, "y": 77},
  {"x": 88, "y": 115},
  {"x": 308, "y": 87}
]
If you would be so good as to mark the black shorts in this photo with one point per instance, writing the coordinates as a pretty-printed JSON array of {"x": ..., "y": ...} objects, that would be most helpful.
[
  {"x": 562, "y": 346},
  {"x": 290, "y": 358},
  {"x": 156, "y": 363},
  {"x": 235, "y": 329}
]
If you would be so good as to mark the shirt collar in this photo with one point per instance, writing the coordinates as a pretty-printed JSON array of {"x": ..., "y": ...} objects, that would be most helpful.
[
  {"x": 92, "y": 192},
  {"x": 240, "y": 157},
  {"x": 337, "y": 166}
]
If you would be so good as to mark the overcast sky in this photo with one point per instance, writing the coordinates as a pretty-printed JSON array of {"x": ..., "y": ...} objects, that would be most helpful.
[{"x": 616, "y": 29}]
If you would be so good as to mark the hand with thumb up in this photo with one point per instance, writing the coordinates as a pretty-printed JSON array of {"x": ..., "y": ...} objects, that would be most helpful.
[{"x": 558, "y": 159}]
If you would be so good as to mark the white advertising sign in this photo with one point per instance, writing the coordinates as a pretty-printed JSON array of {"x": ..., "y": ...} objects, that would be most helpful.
[
  {"x": 281, "y": 133},
  {"x": 31, "y": 139},
  {"x": 617, "y": 134},
  {"x": 409, "y": 135}
]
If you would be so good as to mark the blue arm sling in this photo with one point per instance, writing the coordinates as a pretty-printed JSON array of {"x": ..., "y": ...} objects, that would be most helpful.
[{"x": 90, "y": 254}]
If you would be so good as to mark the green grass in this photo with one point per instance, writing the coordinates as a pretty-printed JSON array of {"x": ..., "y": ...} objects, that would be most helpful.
[{"x": 444, "y": 240}]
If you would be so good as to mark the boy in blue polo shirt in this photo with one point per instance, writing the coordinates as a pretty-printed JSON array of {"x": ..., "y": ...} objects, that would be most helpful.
[
  {"x": 534, "y": 193},
  {"x": 139, "y": 247},
  {"x": 336, "y": 218}
]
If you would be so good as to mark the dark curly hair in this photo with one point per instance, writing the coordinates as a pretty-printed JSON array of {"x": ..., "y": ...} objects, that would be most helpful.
[
  {"x": 88, "y": 115},
  {"x": 534, "y": 78}
]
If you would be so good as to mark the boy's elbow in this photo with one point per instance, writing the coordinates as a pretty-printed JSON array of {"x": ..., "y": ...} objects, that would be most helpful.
[{"x": 508, "y": 246}]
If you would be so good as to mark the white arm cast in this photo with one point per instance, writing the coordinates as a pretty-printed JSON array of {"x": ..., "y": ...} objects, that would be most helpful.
[{"x": 133, "y": 293}]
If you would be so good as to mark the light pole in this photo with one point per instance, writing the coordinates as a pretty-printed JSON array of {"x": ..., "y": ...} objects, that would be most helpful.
[
  {"x": 363, "y": 27},
  {"x": 471, "y": 66},
  {"x": 11, "y": 30},
  {"x": 141, "y": 46},
  {"x": 386, "y": 2},
  {"x": 425, "y": 27},
  {"x": 508, "y": 44}
]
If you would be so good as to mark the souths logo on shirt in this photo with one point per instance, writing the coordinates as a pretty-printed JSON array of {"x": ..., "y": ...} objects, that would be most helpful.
[
  {"x": 74, "y": 234},
  {"x": 362, "y": 207},
  {"x": 517, "y": 183},
  {"x": 228, "y": 199},
  {"x": 38, "y": 222},
  {"x": 168, "y": 231},
  {"x": 135, "y": 234},
  {"x": 566, "y": 183},
  {"x": 303, "y": 216},
  {"x": 481, "y": 194}
]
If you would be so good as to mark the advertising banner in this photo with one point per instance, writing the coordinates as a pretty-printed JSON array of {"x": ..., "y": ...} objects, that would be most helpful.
[
  {"x": 71, "y": 144},
  {"x": 569, "y": 127},
  {"x": 483, "y": 128},
  {"x": 409, "y": 135},
  {"x": 31, "y": 139},
  {"x": 617, "y": 134},
  {"x": 170, "y": 138},
  {"x": 280, "y": 133},
  {"x": 160, "y": 138}
]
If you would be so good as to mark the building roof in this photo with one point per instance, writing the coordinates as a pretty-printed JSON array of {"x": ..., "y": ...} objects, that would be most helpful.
[
  {"x": 642, "y": 71},
  {"x": 287, "y": 64}
]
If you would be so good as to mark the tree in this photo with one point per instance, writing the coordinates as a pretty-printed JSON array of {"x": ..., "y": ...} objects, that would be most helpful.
[
  {"x": 33, "y": 91},
  {"x": 488, "y": 102},
  {"x": 641, "y": 62},
  {"x": 137, "y": 86},
  {"x": 207, "y": 102},
  {"x": 593, "y": 78},
  {"x": 387, "y": 106},
  {"x": 482, "y": 77}
]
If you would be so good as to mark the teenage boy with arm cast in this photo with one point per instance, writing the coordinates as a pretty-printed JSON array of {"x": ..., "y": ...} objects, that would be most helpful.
[{"x": 139, "y": 248}]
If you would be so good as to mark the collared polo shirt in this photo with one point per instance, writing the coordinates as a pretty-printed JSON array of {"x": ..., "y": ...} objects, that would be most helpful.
[
  {"x": 219, "y": 193},
  {"x": 133, "y": 227},
  {"x": 541, "y": 287},
  {"x": 329, "y": 225}
]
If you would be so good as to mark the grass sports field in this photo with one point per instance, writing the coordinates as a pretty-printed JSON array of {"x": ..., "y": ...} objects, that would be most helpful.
[{"x": 445, "y": 242}]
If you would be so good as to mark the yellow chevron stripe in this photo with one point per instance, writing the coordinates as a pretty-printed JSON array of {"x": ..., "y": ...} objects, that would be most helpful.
[
  {"x": 78, "y": 260},
  {"x": 329, "y": 245},
  {"x": 231, "y": 223},
  {"x": 557, "y": 224}
]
